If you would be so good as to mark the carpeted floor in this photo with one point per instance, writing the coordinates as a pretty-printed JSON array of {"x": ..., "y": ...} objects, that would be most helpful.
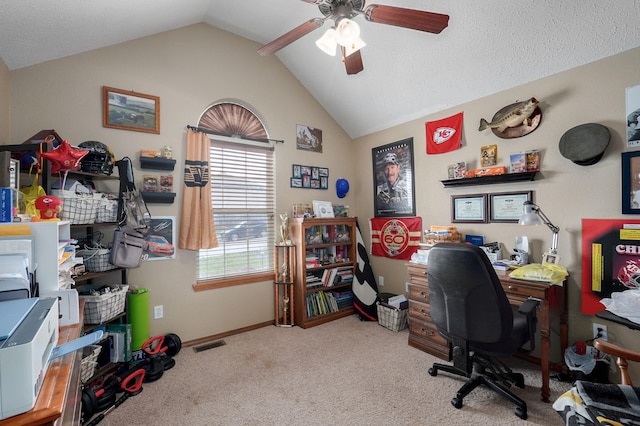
[{"x": 346, "y": 372}]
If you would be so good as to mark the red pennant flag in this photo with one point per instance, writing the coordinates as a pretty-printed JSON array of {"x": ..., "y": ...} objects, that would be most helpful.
[
  {"x": 444, "y": 135},
  {"x": 396, "y": 238}
]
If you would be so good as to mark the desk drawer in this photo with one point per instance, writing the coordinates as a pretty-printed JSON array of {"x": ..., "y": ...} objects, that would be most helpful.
[
  {"x": 418, "y": 293},
  {"x": 418, "y": 274},
  {"x": 427, "y": 330},
  {"x": 419, "y": 311}
]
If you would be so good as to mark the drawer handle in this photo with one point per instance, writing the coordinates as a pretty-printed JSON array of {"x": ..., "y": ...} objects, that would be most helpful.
[
  {"x": 423, "y": 312},
  {"x": 427, "y": 332},
  {"x": 423, "y": 294}
]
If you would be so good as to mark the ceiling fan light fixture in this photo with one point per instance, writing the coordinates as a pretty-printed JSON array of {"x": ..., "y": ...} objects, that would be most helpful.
[
  {"x": 354, "y": 47},
  {"x": 347, "y": 32},
  {"x": 327, "y": 43}
]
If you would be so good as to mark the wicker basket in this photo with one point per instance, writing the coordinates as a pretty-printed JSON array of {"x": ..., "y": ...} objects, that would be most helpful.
[
  {"x": 96, "y": 259},
  {"x": 89, "y": 362},
  {"x": 392, "y": 318},
  {"x": 104, "y": 307},
  {"x": 107, "y": 210},
  {"x": 78, "y": 208}
]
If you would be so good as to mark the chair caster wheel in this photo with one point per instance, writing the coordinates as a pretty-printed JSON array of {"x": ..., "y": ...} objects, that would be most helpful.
[
  {"x": 433, "y": 372},
  {"x": 457, "y": 402},
  {"x": 522, "y": 413},
  {"x": 518, "y": 380}
]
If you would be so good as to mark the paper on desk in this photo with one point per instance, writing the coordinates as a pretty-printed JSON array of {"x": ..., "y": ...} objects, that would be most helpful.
[{"x": 625, "y": 304}]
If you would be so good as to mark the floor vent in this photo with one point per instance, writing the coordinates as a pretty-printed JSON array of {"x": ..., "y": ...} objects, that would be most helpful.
[{"x": 208, "y": 346}]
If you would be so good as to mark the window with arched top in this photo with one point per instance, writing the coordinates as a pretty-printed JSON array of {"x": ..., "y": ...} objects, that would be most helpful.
[{"x": 242, "y": 196}]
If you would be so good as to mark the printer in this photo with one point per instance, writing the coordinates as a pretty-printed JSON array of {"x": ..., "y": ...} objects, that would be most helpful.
[{"x": 28, "y": 335}]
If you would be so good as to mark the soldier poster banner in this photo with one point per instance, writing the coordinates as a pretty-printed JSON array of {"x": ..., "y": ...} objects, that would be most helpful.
[
  {"x": 444, "y": 135},
  {"x": 393, "y": 183},
  {"x": 396, "y": 238}
]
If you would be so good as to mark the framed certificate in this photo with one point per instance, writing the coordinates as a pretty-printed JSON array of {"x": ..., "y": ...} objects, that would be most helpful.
[
  {"x": 469, "y": 208},
  {"x": 506, "y": 207}
]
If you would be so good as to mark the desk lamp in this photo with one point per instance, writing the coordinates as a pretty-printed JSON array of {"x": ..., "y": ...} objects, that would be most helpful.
[{"x": 533, "y": 215}]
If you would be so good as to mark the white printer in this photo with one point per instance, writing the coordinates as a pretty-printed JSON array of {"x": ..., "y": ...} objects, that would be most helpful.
[{"x": 28, "y": 335}]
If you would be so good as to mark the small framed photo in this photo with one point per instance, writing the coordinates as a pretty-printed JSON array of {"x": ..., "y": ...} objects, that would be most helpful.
[
  {"x": 296, "y": 183},
  {"x": 469, "y": 208},
  {"x": 507, "y": 207},
  {"x": 323, "y": 208},
  {"x": 297, "y": 171},
  {"x": 166, "y": 183},
  {"x": 149, "y": 183},
  {"x": 550, "y": 258},
  {"x": 126, "y": 110}
]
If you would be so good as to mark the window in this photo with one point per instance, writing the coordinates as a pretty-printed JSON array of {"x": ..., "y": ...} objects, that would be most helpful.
[
  {"x": 243, "y": 200},
  {"x": 242, "y": 197}
]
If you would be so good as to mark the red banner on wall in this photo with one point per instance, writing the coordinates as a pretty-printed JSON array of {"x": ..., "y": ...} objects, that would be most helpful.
[
  {"x": 444, "y": 135},
  {"x": 396, "y": 238}
]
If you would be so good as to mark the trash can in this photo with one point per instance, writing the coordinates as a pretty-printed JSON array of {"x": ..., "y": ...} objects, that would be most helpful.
[{"x": 587, "y": 363}]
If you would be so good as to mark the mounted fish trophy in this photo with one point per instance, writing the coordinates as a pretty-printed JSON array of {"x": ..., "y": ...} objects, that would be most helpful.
[{"x": 515, "y": 120}]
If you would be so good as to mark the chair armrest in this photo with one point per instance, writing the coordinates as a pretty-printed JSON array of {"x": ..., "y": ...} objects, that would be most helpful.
[
  {"x": 615, "y": 350},
  {"x": 529, "y": 307},
  {"x": 622, "y": 355}
]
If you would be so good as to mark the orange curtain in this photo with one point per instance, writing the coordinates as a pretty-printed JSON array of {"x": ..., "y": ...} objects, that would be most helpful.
[{"x": 197, "y": 230}]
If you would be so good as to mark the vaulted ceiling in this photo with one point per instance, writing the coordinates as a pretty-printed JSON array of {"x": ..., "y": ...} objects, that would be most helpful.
[{"x": 489, "y": 45}]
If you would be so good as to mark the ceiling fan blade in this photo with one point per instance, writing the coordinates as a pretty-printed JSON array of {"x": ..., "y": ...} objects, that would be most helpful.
[
  {"x": 353, "y": 62},
  {"x": 293, "y": 35},
  {"x": 408, "y": 18}
]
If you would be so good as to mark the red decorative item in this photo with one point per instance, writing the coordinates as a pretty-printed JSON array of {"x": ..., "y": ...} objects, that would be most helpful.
[
  {"x": 65, "y": 157},
  {"x": 48, "y": 206}
]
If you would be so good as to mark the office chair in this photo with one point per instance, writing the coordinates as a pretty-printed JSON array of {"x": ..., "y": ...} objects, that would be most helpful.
[{"x": 470, "y": 309}]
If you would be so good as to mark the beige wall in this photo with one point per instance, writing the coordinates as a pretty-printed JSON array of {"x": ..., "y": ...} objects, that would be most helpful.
[
  {"x": 192, "y": 67},
  {"x": 5, "y": 104},
  {"x": 565, "y": 191},
  {"x": 189, "y": 69}
]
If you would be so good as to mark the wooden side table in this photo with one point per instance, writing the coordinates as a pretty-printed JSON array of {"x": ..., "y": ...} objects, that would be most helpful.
[{"x": 284, "y": 267}]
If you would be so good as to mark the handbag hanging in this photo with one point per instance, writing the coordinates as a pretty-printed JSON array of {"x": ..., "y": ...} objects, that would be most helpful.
[
  {"x": 132, "y": 209},
  {"x": 128, "y": 247}
]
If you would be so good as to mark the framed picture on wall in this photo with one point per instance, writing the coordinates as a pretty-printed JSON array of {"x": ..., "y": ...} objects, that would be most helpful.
[
  {"x": 126, "y": 110},
  {"x": 393, "y": 182},
  {"x": 469, "y": 208},
  {"x": 507, "y": 207},
  {"x": 631, "y": 182},
  {"x": 159, "y": 242}
]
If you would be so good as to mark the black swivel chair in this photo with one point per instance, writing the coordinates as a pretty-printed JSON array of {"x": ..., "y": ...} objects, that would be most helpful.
[{"x": 470, "y": 309}]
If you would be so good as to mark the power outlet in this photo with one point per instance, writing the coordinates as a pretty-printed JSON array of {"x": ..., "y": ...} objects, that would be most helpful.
[
  {"x": 600, "y": 331},
  {"x": 380, "y": 280},
  {"x": 158, "y": 312}
]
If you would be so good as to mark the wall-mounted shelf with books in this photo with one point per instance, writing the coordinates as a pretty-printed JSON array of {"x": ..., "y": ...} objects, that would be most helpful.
[{"x": 489, "y": 180}]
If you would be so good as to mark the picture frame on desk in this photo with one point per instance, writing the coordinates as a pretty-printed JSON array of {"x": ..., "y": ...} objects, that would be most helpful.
[
  {"x": 631, "y": 182},
  {"x": 551, "y": 258},
  {"x": 507, "y": 207},
  {"x": 469, "y": 208}
]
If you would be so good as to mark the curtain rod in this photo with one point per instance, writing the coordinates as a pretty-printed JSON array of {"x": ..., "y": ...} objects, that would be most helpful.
[{"x": 230, "y": 135}]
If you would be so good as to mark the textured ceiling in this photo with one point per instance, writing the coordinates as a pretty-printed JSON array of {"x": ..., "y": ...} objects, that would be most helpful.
[{"x": 489, "y": 46}]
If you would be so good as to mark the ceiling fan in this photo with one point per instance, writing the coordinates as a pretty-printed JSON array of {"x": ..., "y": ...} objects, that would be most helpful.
[{"x": 345, "y": 32}]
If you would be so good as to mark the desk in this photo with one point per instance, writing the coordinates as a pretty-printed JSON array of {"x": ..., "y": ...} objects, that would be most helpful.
[{"x": 424, "y": 335}]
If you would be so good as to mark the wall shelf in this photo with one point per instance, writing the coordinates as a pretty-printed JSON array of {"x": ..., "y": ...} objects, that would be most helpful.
[
  {"x": 159, "y": 197},
  {"x": 488, "y": 180}
]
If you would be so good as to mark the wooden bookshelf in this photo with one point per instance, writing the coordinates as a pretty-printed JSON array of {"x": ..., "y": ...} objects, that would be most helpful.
[{"x": 324, "y": 245}]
